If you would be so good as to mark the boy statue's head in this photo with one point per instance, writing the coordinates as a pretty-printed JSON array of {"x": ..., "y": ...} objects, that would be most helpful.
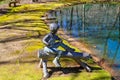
[{"x": 53, "y": 28}]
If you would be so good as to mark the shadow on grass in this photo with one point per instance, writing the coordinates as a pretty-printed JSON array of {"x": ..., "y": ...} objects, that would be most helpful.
[
  {"x": 103, "y": 78},
  {"x": 68, "y": 70},
  {"x": 14, "y": 62},
  {"x": 20, "y": 21},
  {"x": 4, "y": 11},
  {"x": 21, "y": 28},
  {"x": 7, "y": 10},
  {"x": 27, "y": 11},
  {"x": 18, "y": 38},
  {"x": 65, "y": 70},
  {"x": 95, "y": 68}
]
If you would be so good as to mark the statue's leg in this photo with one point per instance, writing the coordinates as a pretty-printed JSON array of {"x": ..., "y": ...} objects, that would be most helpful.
[
  {"x": 57, "y": 58},
  {"x": 56, "y": 62},
  {"x": 66, "y": 47},
  {"x": 45, "y": 71},
  {"x": 54, "y": 52},
  {"x": 40, "y": 64},
  {"x": 43, "y": 62},
  {"x": 84, "y": 65}
]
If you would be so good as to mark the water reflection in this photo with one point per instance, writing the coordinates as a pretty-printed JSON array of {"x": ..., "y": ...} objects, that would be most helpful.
[{"x": 98, "y": 24}]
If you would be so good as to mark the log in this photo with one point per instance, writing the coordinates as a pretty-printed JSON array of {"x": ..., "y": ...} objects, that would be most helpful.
[{"x": 80, "y": 55}]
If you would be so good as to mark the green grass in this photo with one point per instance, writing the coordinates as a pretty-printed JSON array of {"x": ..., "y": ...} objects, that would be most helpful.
[
  {"x": 99, "y": 75},
  {"x": 29, "y": 71}
]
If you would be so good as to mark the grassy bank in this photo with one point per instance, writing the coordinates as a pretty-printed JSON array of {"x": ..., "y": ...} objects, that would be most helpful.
[{"x": 22, "y": 31}]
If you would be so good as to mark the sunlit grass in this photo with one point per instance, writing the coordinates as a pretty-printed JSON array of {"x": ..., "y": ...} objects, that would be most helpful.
[
  {"x": 35, "y": 45},
  {"x": 17, "y": 17},
  {"x": 27, "y": 71}
]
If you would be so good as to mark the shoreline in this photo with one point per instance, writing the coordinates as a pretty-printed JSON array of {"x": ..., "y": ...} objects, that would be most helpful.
[{"x": 81, "y": 46}]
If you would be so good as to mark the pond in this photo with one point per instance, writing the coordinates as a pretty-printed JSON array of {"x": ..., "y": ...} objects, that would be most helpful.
[{"x": 96, "y": 24}]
